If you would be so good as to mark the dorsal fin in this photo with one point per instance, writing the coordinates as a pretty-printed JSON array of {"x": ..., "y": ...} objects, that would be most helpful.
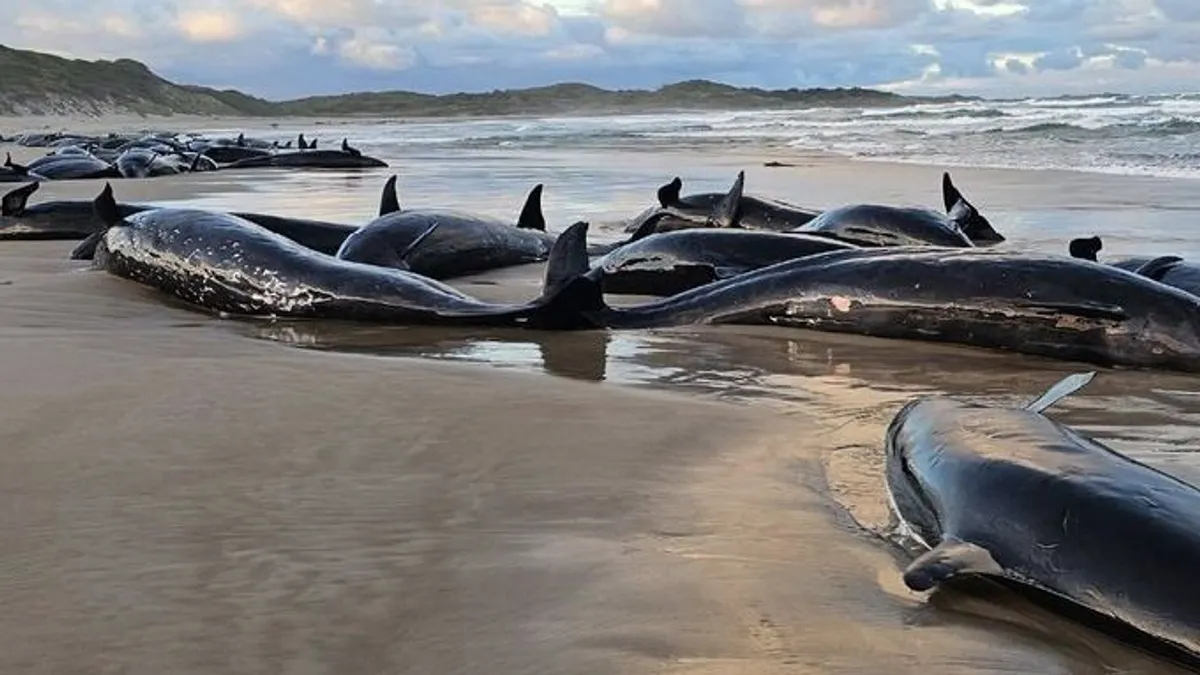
[
  {"x": 531, "y": 217},
  {"x": 1156, "y": 268},
  {"x": 241, "y": 139},
  {"x": 725, "y": 213},
  {"x": 14, "y": 201},
  {"x": 950, "y": 194},
  {"x": 389, "y": 200},
  {"x": 668, "y": 195},
  {"x": 16, "y": 168},
  {"x": 301, "y": 142},
  {"x": 569, "y": 302},
  {"x": 568, "y": 259},
  {"x": 1060, "y": 390},
  {"x": 109, "y": 212}
]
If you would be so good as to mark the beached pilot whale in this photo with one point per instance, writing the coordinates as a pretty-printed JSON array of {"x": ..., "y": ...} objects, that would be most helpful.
[
  {"x": 879, "y": 225},
  {"x": 64, "y": 167},
  {"x": 72, "y": 219},
  {"x": 1041, "y": 305},
  {"x": 464, "y": 243},
  {"x": 346, "y": 157},
  {"x": 227, "y": 264},
  {"x": 750, "y": 211},
  {"x": 1010, "y": 495},
  {"x": 666, "y": 263},
  {"x": 1168, "y": 269}
]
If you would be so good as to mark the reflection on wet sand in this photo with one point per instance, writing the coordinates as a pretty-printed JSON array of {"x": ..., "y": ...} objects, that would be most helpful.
[{"x": 848, "y": 387}]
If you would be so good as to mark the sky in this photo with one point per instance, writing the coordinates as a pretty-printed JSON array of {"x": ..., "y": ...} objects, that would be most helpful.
[{"x": 289, "y": 48}]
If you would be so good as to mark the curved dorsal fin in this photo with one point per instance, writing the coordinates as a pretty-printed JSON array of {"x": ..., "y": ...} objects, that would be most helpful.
[
  {"x": 568, "y": 259},
  {"x": 389, "y": 200},
  {"x": 668, "y": 195},
  {"x": 950, "y": 194},
  {"x": 725, "y": 213},
  {"x": 14, "y": 201},
  {"x": 109, "y": 212},
  {"x": 531, "y": 217}
]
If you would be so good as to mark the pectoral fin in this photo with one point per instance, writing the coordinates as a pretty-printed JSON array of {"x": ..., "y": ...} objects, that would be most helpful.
[
  {"x": 1060, "y": 390},
  {"x": 947, "y": 560}
]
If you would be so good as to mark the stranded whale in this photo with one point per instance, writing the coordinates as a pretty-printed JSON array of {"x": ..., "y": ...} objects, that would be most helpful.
[
  {"x": 227, "y": 264},
  {"x": 1010, "y": 495}
]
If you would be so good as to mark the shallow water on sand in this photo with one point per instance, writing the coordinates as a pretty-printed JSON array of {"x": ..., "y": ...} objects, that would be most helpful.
[{"x": 188, "y": 494}]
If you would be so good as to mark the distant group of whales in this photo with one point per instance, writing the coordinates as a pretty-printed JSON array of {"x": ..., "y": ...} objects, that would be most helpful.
[
  {"x": 83, "y": 157},
  {"x": 874, "y": 270},
  {"x": 1004, "y": 494}
]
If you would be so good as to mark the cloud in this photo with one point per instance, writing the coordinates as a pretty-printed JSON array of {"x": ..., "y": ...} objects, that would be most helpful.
[
  {"x": 284, "y": 48},
  {"x": 202, "y": 26}
]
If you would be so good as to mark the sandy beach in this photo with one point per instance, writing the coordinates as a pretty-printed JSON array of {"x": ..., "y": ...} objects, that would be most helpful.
[{"x": 188, "y": 494}]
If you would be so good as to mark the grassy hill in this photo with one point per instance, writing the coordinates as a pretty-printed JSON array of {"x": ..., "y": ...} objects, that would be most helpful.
[{"x": 33, "y": 83}]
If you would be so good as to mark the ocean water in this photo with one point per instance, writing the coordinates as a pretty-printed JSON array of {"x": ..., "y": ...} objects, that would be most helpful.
[{"x": 1134, "y": 135}]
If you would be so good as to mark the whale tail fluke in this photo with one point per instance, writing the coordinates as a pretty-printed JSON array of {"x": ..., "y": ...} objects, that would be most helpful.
[
  {"x": 668, "y": 195},
  {"x": 109, "y": 212},
  {"x": 13, "y": 202},
  {"x": 1085, "y": 248},
  {"x": 726, "y": 211},
  {"x": 570, "y": 300},
  {"x": 389, "y": 200},
  {"x": 531, "y": 217},
  {"x": 1060, "y": 390}
]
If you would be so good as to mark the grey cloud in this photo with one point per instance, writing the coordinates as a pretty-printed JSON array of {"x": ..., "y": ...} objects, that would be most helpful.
[{"x": 453, "y": 45}]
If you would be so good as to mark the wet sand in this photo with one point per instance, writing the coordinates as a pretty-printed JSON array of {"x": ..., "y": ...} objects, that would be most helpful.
[{"x": 192, "y": 495}]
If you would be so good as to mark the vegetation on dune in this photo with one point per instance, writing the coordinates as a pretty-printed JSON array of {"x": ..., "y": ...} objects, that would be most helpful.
[{"x": 33, "y": 83}]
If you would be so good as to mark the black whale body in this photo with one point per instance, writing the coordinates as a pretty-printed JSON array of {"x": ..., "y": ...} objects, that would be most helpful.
[
  {"x": 463, "y": 243},
  {"x": 66, "y": 167},
  {"x": 1168, "y": 269},
  {"x": 753, "y": 212},
  {"x": 1010, "y": 495},
  {"x": 666, "y": 263},
  {"x": 1040, "y": 305},
  {"x": 310, "y": 159},
  {"x": 77, "y": 219},
  {"x": 879, "y": 225},
  {"x": 862, "y": 224},
  {"x": 227, "y": 264}
]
